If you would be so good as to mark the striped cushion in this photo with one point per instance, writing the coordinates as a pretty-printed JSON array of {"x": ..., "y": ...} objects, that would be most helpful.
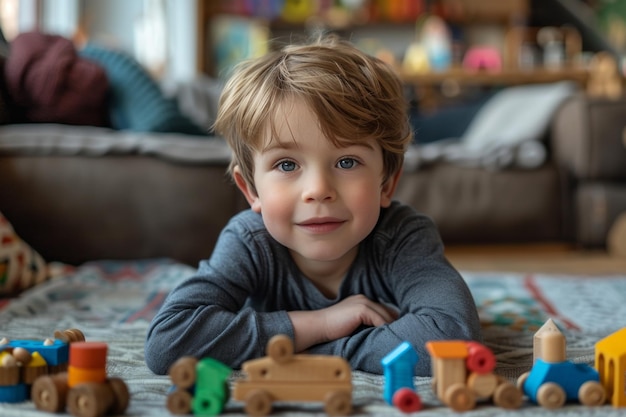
[{"x": 137, "y": 102}]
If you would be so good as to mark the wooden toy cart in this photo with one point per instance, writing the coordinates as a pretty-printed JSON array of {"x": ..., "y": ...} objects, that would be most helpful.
[{"x": 285, "y": 376}]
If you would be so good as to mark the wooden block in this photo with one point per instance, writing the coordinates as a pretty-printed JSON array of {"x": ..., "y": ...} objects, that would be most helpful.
[{"x": 557, "y": 346}]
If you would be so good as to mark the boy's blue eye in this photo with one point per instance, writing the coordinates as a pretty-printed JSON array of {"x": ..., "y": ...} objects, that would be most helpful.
[
  {"x": 287, "y": 166},
  {"x": 347, "y": 163}
]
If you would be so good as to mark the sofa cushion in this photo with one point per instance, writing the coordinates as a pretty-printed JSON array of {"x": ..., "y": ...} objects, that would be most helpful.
[
  {"x": 474, "y": 205},
  {"x": 21, "y": 266},
  {"x": 137, "y": 101}
]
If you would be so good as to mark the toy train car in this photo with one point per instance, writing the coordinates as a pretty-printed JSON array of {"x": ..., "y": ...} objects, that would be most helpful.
[
  {"x": 201, "y": 386},
  {"x": 22, "y": 361},
  {"x": 463, "y": 374},
  {"x": 84, "y": 390}
]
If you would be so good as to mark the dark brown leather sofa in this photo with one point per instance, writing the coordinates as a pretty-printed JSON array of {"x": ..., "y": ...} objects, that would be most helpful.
[{"x": 575, "y": 196}]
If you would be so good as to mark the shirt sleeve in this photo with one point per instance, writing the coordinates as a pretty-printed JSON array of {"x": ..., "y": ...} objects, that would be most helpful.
[
  {"x": 207, "y": 316},
  {"x": 433, "y": 299}
]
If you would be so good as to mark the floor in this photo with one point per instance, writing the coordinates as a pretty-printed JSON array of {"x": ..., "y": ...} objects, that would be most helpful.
[{"x": 548, "y": 257}]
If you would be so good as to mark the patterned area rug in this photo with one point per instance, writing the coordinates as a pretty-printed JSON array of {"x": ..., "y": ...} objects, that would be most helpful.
[{"x": 114, "y": 301}]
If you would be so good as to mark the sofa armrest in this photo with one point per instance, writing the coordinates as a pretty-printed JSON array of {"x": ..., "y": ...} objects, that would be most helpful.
[{"x": 588, "y": 138}]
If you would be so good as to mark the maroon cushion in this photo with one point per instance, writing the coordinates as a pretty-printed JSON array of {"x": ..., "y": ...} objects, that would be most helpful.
[{"x": 51, "y": 83}]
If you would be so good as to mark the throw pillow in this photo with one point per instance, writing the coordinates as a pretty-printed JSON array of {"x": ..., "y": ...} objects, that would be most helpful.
[
  {"x": 515, "y": 115},
  {"x": 137, "y": 101},
  {"x": 50, "y": 83},
  {"x": 21, "y": 267}
]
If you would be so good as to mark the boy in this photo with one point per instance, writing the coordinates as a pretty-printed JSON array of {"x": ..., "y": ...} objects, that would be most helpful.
[{"x": 324, "y": 255}]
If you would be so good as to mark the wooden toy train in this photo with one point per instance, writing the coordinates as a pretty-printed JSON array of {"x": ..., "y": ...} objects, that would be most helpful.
[
  {"x": 463, "y": 376},
  {"x": 61, "y": 373}
]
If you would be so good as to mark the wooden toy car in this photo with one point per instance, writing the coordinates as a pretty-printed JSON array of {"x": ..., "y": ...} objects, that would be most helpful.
[
  {"x": 399, "y": 370},
  {"x": 285, "y": 376},
  {"x": 84, "y": 389},
  {"x": 463, "y": 374},
  {"x": 553, "y": 380},
  {"x": 200, "y": 386},
  {"x": 22, "y": 361}
]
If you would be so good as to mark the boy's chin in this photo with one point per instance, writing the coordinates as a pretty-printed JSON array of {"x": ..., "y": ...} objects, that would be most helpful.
[{"x": 324, "y": 254}]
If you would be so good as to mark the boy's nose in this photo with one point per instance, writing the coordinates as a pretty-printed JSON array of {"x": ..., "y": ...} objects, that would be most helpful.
[{"x": 318, "y": 187}]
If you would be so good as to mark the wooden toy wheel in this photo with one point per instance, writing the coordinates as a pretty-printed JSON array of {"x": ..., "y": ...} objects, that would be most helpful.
[
  {"x": 207, "y": 404},
  {"x": 591, "y": 393},
  {"x": 507, "y": 396},
  {"x": 258, "y": 403},
  {"x": 459, "y": 397},
  {"x": 121, "y": 396},
  {"x": 483, "y": 385},
  {"x": 49, "y": 392},
  {"x": 183, "y": 372},
  {"x": 551, "y": 395},
  {"x": 406, "y": 400},
  {"x": 90, "y": 399},
  {"x": 479, "y": 359},
  {"x": 70, "y": 335},
  {"x": 338, "y": 403},
  {"x": 179, "y": 402},
  {"x": 280, "y": 348},
  {"x": 521, "y": 380},
  {"x": 75, "y": 335}
]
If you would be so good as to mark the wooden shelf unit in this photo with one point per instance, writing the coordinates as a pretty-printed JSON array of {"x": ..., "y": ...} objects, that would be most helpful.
[
  {"x": 492, "y": 78},
  {"x": 507, "y": 14}
]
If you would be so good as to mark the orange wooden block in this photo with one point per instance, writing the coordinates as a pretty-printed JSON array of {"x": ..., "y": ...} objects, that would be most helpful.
[
  {"x": 77, "y": 376},
  {"x": 447, "y": 348}
]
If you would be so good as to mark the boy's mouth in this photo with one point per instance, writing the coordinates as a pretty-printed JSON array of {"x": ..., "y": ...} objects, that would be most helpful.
[{"x": 321, "y": 224}]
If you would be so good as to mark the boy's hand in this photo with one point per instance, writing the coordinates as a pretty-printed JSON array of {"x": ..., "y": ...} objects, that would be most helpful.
[{"x": 339, "y": 320}]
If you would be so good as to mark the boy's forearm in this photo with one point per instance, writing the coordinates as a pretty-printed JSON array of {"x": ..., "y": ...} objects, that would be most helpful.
[
  {"x": 365, "y": 348},
  {"x": 211, "y": 332},
  {"x": 307, "y": 329}
]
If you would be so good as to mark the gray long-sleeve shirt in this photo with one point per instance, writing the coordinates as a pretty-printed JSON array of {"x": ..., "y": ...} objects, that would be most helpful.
[{"x": 239, "y": 298}]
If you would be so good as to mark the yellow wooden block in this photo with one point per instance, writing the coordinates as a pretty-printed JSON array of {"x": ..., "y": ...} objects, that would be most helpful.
[{"x": 611, "y": 365}]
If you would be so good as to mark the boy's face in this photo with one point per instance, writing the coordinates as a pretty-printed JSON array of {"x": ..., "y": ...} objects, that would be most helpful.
[{"x": 318, "y": 200}]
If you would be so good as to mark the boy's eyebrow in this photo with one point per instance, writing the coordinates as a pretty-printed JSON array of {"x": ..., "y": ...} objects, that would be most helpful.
[{"x": 277, "y": 144}]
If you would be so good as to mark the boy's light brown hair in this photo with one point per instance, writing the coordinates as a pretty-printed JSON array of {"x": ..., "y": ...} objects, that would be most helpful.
[{"x": 354, "y": 95}]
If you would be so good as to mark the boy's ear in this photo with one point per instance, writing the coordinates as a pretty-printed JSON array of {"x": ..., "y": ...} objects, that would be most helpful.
[
  {"x": 389, "y": 189},
  {"x": 247, "y": 190}
]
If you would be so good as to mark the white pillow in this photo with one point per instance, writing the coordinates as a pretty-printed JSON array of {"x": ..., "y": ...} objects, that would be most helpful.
[{"x": 515, "y": 115}]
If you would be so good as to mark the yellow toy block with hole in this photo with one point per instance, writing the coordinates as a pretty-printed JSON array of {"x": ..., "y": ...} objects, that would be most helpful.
[{"x": 611, "y": 365}]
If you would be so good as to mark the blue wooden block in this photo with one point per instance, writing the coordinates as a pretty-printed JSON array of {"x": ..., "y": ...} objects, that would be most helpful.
[
  {"x": 57, "y": 353},
  {"x": 14, "y": 393},
  {"x": 399, "y": 370}
]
